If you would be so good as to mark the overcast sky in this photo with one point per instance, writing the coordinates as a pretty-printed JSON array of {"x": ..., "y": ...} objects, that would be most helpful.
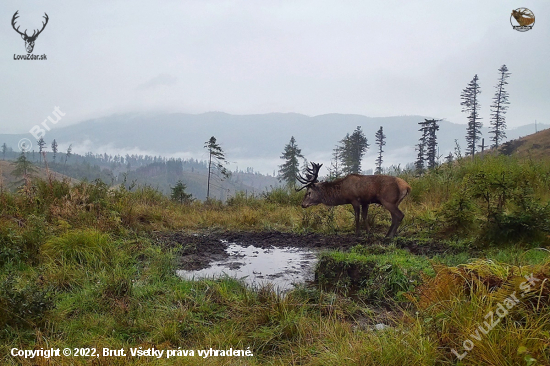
[{"x": 244, "y": 57}]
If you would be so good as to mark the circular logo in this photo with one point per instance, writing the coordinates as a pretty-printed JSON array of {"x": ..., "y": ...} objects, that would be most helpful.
[
  {"x": 24, "y": 145},
  {"x": 522, "y": 19}
]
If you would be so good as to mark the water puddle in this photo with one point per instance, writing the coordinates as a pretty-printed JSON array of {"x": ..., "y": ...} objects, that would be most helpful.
[{"x": 281, "y": 267}]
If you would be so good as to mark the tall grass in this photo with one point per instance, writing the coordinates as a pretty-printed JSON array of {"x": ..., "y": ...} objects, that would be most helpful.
[{"x": 494, "y": 199}]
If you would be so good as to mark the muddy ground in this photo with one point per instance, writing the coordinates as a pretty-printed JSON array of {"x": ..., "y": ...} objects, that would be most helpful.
[{"x": 200, "y": 249}]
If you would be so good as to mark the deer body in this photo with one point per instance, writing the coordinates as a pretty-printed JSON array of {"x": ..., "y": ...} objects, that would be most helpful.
[{"x": 359, "y": 191}]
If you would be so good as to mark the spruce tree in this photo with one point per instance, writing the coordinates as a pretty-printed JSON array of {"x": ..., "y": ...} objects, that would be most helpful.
[
  {"x": 431, "y": 142},
  {"x": 291, "y": 167},
  {"x": 41, "y": 144},
  {"x": 419, "y": 164},
  {"x": 179, "y": 194},
  {"x": 499, "y": 107},
  {"x": 353, "y": 148},
  {"x": 54, "y": 149},
  {"x": 380, "y": 141},
  {"x": 470, "y": 105},
  {"x": 4, "y": 150},
  {"x": 427, "y": 145},
  {"x": 23, "y": 167},
  {"x": 335, "y": 170},
  {"x": 67, "y": 156}
]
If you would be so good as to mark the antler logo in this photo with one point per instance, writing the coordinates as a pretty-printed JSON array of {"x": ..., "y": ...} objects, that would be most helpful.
[
  {"x": 29, "y": 40},
  {"x": 524, "y": 19}
]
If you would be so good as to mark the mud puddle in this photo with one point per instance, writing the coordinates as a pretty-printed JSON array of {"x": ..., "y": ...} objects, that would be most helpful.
[
  {"x": 274, "y": 257},
  {"x": 258, "y": 266}
]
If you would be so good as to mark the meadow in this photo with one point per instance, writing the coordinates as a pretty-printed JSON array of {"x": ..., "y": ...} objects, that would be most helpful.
[{"x": 465, "y": 282}]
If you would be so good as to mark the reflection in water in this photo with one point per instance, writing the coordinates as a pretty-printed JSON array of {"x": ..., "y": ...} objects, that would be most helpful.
[{"x": 281, "y": 267}]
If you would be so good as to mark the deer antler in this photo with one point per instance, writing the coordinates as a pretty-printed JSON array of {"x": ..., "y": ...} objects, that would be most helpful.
[
  {"x": 311, "y": 176},
  {"x": 15, "y": 16},
  {"x": 43, "y": 26},
  {"x": 34, "y": 34}
]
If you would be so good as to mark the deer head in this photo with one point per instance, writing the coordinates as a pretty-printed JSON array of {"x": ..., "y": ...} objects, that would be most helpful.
[
  {"x": 29, "y": 40},
  {"x": 523, "y": 17}
]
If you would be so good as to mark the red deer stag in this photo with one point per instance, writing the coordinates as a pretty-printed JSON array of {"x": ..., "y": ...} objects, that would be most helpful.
[{"x": 359, "y": 191}]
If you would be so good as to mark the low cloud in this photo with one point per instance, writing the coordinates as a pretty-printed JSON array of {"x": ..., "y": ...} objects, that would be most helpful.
[{"x": 159, "y": 80}]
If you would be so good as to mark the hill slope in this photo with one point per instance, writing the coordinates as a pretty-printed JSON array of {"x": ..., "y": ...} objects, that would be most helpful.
[
  {"x": 9, "y": 181},
  {"x": 535, "y": 146}
]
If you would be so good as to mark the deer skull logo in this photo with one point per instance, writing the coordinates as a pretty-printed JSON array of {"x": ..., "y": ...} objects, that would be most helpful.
[{"x": 29, "y": 40}]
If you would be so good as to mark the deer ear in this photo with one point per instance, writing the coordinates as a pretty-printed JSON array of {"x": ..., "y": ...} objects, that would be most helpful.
[{"x": 23, "y": 36}]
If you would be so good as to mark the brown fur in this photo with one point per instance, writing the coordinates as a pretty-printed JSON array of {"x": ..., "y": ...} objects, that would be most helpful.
[{"x": 360, "y": 191}]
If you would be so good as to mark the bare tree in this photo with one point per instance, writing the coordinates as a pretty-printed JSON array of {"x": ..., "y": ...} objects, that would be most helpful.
[{"x": 216, "y": 160}]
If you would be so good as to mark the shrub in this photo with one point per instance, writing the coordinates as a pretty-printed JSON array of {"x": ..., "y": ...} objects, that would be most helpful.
[{"x": 22, "y": 305}]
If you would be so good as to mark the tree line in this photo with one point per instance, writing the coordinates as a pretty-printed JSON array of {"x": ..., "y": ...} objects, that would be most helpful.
[
  {"x": 346, "y": 157},
  {"x": 157, "y": 171},
  {"x": 349, "y": 152}
]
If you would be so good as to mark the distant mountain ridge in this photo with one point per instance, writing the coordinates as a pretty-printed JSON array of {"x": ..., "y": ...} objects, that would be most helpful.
[{"x": 252, "y": 140}]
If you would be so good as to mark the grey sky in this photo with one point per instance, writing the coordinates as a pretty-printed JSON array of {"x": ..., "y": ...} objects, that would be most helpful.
[{"x": 243, "y": 57}]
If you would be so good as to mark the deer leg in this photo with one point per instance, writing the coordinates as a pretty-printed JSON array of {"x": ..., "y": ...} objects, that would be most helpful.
[
  {"x": 357, "y": 209},
  {"x": 396, "y": 218},
  {"x": 364, "y": 214}
]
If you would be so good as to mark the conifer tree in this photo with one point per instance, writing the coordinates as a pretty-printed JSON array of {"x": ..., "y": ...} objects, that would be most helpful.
[
  {"x": 54, "y": 149},
  {"x": 335, "y": 170},
  {"x": 431, "y": 143},
  {"x": 67, "y": 156},
  {"x": 179, "y": 194},
  {"x": 421, "y": 148},
  {"x": 291, "y": 167},
  {"x": 419, "y": 163},
  {"x": 23, "y": 167},
  {"x": 380, "y": 141},
  {"x": 41, "y": 144},
  {"x": 353, "y": 147},
  {"x": 499, "y": 107},
  {"x": 427, "y": 145},
  {"x": 470, "y": 105}
]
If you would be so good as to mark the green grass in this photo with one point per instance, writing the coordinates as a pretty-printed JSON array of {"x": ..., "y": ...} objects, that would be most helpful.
[{"x": 79, "y": 268}]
